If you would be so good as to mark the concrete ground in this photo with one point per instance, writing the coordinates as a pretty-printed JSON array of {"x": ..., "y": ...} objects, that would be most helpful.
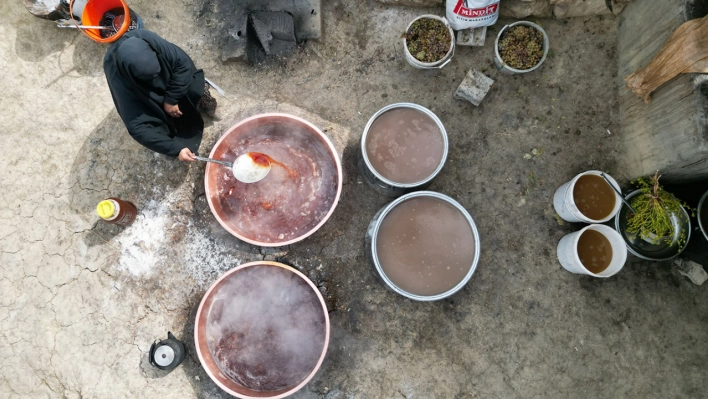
[{"x": 81, "y": 301}]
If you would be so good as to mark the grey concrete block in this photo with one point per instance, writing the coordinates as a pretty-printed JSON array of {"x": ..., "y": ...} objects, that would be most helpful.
[
  {"x": 307, "y": 18},
  {"x": 692, "y": 270},
  {"x": 474, "y": 87},
  {"x": 472, "y": 37},
  {"x": 234, "y": 49},
  {"x": 275, "y": 31}
]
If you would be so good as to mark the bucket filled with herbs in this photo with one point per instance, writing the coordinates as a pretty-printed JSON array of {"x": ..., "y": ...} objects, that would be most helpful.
[
  {"x": 429, "y": 42},
  {"x": 520, "y": 47}
]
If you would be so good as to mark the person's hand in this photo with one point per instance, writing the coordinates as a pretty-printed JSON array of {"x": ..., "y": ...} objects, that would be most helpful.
[
  {"x": 186, "y": 155},
  {"x": 172, "y": 110}
]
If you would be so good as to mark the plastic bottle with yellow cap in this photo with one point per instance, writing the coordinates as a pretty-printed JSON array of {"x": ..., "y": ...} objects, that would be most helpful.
[{"x": 117, "y": 211}]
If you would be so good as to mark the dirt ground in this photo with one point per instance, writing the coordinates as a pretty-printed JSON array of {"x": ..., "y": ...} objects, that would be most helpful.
[{"x": 82, "y": 301}]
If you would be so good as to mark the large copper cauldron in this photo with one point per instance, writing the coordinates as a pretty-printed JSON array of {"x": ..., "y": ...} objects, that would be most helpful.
[
  {"x": 262, "y": 330},
  {"x": 294, "y": 200}
]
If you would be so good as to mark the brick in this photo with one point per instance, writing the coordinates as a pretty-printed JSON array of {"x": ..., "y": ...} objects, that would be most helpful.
[
  {"x": 472, "y": 37},
  {"x": 474, "y": 87}
]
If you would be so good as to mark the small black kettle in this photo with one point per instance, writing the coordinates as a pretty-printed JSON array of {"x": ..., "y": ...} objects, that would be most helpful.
[{"x": 167, "y": 354}]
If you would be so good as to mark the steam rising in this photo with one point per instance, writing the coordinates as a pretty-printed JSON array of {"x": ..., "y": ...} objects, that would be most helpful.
[{"x": 265, "y": 328}]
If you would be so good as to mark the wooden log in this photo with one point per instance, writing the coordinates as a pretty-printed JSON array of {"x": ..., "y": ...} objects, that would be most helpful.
[{"x": 671, "y": 133}]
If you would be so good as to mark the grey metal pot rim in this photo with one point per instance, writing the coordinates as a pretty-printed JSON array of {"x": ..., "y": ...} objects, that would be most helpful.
[
  {"x": 546, "y": 45},
  {"x": 426, "y": 111},
  {"x": 631, "y": 249},
  {"x": 475, "y": 233},
  {"x": 704, "y": 200}
]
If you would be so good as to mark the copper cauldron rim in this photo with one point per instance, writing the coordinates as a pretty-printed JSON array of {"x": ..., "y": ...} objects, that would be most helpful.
[
  {"x": 337, "y": 162},
  {"x": 201, "y": 309}
]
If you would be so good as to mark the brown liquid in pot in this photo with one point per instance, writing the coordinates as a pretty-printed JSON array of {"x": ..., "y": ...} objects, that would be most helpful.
[
  {"x": 404, "y": 145},
  {"x": 425, "y": 246}
]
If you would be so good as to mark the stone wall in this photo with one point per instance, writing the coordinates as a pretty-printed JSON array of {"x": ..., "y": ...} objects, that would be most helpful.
[{"x": 537, "y": 8}]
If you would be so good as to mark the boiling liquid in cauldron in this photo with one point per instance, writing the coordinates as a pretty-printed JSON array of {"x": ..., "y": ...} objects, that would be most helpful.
[
  {"x": 594, "y": 251},
  {"x": 288, "y": 202},
  {"x": 594, "y": 197},
  {"x": 404, "y": 145},
  {"x": 425, "y": 246},
  {"x": 266, "y": 328}
]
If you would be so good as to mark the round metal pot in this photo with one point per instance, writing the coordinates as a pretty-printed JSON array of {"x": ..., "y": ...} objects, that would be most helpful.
[
  {"x": 270, "y": 213},
  {"x": 653, "y": 251},
  {"x": 372, "y": 255},
  {"x": 702, "y": 214},
  {"x": 218, "y": 319},
  {"x": 383, "y": 185}
]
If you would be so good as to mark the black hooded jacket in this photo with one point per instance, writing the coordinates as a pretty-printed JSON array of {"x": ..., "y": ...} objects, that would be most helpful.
[{"x": 144, "y": 70}]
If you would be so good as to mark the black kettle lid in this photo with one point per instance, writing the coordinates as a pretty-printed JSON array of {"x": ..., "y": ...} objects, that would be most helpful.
[{"x": 168, "y": 353}]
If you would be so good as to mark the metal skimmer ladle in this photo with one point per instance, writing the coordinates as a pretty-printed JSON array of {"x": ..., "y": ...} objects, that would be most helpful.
[
  {"x": 250, "y": 167},
  {"x": 618, "y": 192}
]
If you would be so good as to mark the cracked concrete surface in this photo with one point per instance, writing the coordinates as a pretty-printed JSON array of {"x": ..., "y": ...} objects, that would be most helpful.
[{"x": 82, "y": 300}]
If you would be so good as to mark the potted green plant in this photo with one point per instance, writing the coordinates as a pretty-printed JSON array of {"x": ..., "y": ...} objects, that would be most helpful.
[
  {"x": 658, "y": 226},
  {"x": 429, "y": 42}
]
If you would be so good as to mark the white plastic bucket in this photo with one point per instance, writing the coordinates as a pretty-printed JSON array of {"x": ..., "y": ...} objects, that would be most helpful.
[
  {"x": 430, "y": 65},
  {"x": 568, "y": 251},
  {"x": 501, "y": 65},
  {"x": 564, "y": 203}
]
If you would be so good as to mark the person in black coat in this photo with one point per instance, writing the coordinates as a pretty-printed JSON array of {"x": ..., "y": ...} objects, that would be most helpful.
[{"x": 156, "y": 89}]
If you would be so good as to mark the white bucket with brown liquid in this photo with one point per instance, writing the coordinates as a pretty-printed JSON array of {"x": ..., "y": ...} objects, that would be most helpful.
[
  {"x": 596, "y": 250},
  {"x": 587, "y": 198}
]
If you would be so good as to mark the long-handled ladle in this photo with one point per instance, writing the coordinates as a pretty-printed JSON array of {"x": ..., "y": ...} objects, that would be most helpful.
[
  {"x": 250, "y": 167},
  {"x": 618, "y": 192}
]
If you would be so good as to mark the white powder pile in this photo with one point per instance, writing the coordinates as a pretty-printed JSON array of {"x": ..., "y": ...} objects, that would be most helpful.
[
  {"x": 203, "y": 259},
  {"x": 142, "y": 241},
  {"x": 146, "y": 246}
]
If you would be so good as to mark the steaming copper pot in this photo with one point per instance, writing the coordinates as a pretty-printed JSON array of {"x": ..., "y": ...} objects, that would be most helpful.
[
  {"x": 298, "y": 195},
  {"x": 262, "y": 330}
]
